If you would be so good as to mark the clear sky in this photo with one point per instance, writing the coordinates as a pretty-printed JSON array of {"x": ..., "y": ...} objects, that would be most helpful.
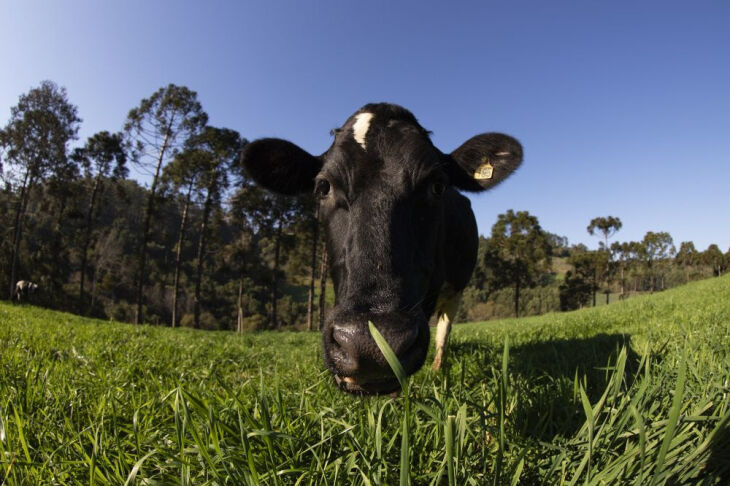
[{"x": 623, "y": 108}]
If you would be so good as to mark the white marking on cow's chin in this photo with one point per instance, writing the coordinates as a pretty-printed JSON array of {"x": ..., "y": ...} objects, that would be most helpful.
[{"x": 360, "y": 127}]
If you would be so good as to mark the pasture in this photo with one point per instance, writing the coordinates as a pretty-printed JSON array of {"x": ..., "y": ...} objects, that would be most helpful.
[{"x": 635, "y": 392}]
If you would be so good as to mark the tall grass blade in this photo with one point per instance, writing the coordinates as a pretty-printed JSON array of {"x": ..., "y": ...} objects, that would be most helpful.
[
  {"x": 449, "y": 437},
  {"x": 400, "y": 374},
  {"x": 502, "y": 405},
  {"x": 390, "y": 356},
  {"x": 672, "y": 421},
  {"x": 135, "y": 470}
]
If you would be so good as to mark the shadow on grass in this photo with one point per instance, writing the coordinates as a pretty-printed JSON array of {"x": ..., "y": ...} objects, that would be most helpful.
[
  {"x": 544, "y": 378},
  {"x": 718, "y": 464}
]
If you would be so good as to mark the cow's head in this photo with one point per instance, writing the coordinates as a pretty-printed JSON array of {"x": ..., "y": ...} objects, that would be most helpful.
[{"x": 385, "y": 192}]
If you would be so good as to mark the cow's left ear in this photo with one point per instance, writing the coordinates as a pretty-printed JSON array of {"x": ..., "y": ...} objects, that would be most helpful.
[
  {"x": 484, "y": 161},
  {"x": 281, "y": 166}
]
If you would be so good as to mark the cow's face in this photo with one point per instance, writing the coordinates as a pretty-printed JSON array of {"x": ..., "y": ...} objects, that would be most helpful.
[{"x": 384, "y": 191}]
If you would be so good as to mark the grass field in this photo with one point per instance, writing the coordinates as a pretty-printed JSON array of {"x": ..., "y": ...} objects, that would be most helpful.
[{"x": 631, "y": 393}]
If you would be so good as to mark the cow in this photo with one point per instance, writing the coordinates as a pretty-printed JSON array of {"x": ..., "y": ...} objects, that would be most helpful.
[
  {"x": 401, "y": 239},
  {"x": 24, "y": 289}
]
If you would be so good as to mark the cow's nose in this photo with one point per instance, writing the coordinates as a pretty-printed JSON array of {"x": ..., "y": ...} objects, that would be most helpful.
[{"x": 359, "y": 355}]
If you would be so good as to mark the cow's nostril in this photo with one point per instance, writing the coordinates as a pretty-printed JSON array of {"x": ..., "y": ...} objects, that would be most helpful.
[
  {"x": 346, "y": 353},
  {"x": 344, "y": 336}
]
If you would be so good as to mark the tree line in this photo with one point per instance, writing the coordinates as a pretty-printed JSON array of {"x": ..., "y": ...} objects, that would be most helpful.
[
  {"x": 198, "y": 244},
  {"x": 525, "y": 270}
]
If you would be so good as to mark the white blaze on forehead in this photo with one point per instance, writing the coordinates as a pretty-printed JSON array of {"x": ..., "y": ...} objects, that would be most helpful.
[{"x": 360, "y": 127}]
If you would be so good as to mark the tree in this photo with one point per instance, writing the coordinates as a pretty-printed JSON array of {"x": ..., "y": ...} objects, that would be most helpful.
[
  {"x": 655, "y": 247},
  {"x": 251, "y": 210},
  {"x": 314, "y": 224},
  {"x": 323, "y": 271},
  {"x": 221, "y": 147},
  {"x": 559, "y": 245},
  {"x": 518, "y": 251},
  {"x": 590, "y": 266},
  {"x": 713, "y": 257},
  {"x": 155, "y": 130},
  {"x": 103, "y": 157},
  {"x": 687, "y": 257},
  {"x": 608, "y": 226},
  {"x": 35, "y": 143},
  {"x": 623, "y": 254},
  {"x": 574, "y": 292},
  {"x": 285, "y": 211},
  {"x": 182, "y": 172}
]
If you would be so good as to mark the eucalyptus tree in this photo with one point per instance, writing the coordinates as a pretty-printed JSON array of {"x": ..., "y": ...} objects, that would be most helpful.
[
  {"x": 35, "y": 142},
  {"x": 102, "y": 157},
  {"x": 155, "y": 131},
  {"x": 519, "y": 252}
]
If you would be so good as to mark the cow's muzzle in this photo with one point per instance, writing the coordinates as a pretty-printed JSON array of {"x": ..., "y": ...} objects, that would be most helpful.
[{"x": 355, "y": 360}]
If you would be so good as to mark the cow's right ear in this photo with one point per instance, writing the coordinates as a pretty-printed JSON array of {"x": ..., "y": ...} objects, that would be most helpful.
[{"x": 280, "y": 166}]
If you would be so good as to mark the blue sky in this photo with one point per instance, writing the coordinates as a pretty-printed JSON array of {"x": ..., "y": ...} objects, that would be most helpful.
[{"x": 623, "y": 107}]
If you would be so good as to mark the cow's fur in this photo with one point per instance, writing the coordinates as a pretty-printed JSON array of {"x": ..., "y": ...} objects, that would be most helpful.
[
  {"x": 401, "y": 238},
  {"x": 24, "y": 289}
]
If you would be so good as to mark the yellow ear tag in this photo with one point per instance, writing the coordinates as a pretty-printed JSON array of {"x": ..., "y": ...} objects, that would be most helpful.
[{"x": 484, "y": 171}]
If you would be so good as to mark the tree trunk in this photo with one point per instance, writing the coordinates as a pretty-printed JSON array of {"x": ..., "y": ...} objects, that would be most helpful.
[
  {"x": 200, "y": 256},
  {"x": 178, "y": 253},
  {"x": 651, "y": 279},
  {"x": 18, "y": 230},
  {"x": 623, "y": 284},
  {"x": 275, "y": 277},
  {"x": 312, "y": 272},
  {"x": 517, "y": 299},
  {"x": 322, "y": 288},
  {"x": 94, "y": 275},
  {"x": 142, "y": 255},
  {"x": 239, "y": 304},
  {"x": 87, "y": 240},
  {"x": 595, "y": 286}
]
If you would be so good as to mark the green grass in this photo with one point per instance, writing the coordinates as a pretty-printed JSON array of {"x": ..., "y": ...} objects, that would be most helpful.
[{"x": 631, "y": 393}]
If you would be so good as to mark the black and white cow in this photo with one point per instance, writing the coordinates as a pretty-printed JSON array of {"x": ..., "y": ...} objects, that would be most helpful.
[
  {"x": 401, "y": 238},
  {"x": 24, "y": 289}
]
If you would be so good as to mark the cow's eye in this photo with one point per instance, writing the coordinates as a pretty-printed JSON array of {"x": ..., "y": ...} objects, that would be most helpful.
[
  {"x": 438, "y": 188},
  {"x": 322, "y": 188}
]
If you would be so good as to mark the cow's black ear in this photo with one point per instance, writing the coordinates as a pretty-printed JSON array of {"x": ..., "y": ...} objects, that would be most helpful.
[
  {"x": 484, "y": 161},
  {"x": 280, "y": 166}
]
